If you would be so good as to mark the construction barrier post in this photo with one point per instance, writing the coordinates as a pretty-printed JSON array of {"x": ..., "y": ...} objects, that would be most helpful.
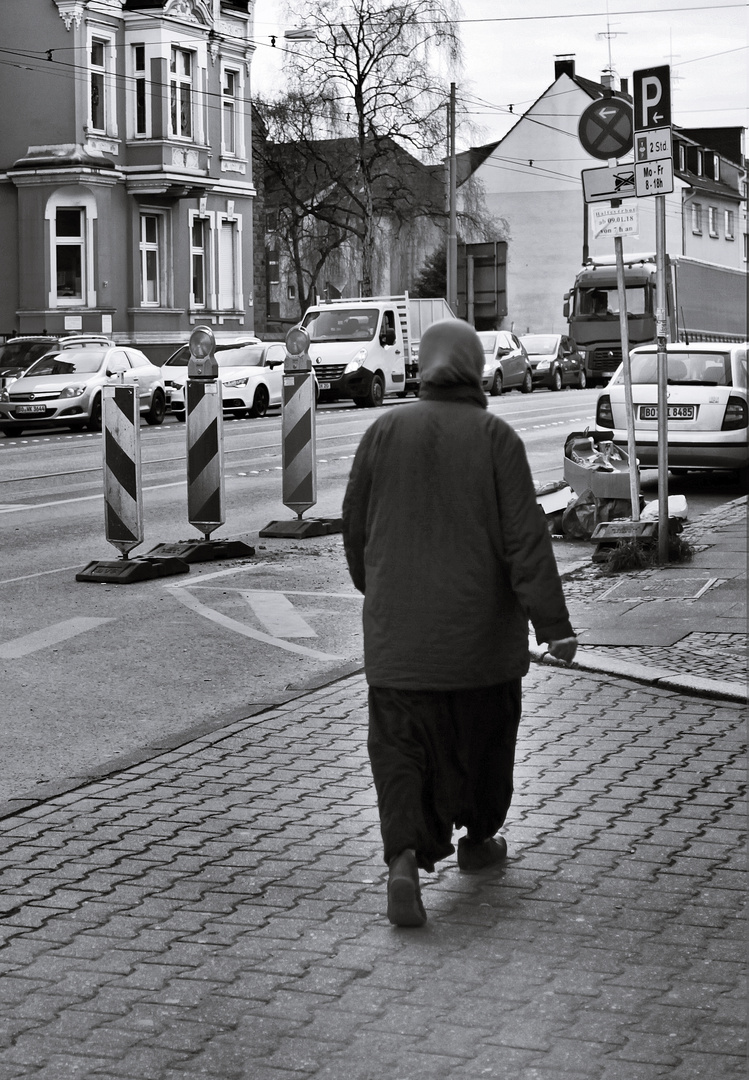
[
  {"x": 298, "y": 443},
  {"x": 123, "y": 501},
  {"x": 204, "y": 423}
]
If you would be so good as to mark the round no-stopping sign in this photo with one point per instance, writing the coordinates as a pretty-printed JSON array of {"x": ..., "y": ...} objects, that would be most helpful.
[{"x": 605, "y": 128}]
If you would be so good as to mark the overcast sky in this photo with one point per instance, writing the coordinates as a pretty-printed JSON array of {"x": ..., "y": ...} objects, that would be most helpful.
[{"x": 510, "y": 46}]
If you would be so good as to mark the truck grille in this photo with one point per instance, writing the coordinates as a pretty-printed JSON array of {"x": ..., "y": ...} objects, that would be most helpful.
[
  {"x": 329, "y": 372},
  {"x": 607, "y": 358}
]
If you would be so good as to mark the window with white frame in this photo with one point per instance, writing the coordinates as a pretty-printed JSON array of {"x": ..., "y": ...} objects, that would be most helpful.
[
  {"x": 728, "y": 225},
  {"x": 229, "y": 112},
  {"x": 712, "y": 220},
  {"x": 182, "y": 66},
  {"x": 69, "y": 286},
  {"x": 152, "y": 261},
  {"x": 199, "y": 260},
  {"x": 716, "y": 166},
  {"x": 101, "y": 118},
  {"x": 746, "y": 247},
  {"x": 699, "y": 163},
  {"x": 697, "y": 218},
  {"x": 140, "y": 118},
  {"x": 228, "y": 264}
]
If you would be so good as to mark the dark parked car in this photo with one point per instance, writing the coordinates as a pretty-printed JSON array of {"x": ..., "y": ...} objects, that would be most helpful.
[{"x": 556, "y": 361}]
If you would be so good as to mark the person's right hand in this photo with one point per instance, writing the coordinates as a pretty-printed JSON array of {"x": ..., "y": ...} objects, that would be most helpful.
[{"x": 563, "y": 649}]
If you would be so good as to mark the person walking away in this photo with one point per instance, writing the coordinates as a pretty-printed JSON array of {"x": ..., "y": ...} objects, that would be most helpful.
[{"x": 444, "y": 537}]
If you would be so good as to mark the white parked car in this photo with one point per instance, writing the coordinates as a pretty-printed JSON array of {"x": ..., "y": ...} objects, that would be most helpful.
[
  {"x": 708, "y": 414},
  {"x": 64, "y": 388},
  {"x": 251, "y": 377}
]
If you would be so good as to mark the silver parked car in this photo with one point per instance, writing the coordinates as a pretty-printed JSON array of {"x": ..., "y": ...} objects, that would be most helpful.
[
  {"x": 506, "y": 363},
  {"x": 64, "y": 388}
]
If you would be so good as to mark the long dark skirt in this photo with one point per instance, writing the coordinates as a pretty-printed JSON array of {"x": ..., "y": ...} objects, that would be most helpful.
[{"x": 442, "y": 759}]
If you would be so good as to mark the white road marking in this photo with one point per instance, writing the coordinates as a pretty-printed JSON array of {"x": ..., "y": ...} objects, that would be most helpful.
[
  {"x": 277, "y": 614},
  {"x": 78, "y": 499},
  {"x": 195, "y": 605},
  {"x": 51, "y": 635},
  {"x": 39, "y": 573}
]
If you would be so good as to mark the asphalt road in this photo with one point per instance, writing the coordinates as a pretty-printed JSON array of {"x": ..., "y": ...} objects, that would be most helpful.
[{"x": 95, "y": 672}]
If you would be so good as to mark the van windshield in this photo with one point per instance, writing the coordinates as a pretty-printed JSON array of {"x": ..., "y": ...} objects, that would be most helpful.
[
  {"x": 688, "y": 367},
  {"x": 341, "y": 324}
]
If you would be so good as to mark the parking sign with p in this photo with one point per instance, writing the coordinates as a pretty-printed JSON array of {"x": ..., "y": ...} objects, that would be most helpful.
[{"x": 652, "y": 97}]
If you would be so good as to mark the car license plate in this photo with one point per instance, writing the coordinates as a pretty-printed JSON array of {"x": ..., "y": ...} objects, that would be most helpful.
[
  {"x": 675, "y": 412},
  {"x": 324, "y": 385},
  {"x": 30, "y": 410}
]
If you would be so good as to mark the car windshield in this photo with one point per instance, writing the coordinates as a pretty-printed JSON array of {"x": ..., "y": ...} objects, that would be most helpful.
[
  {"x": 244, "y": 356},
  {"x": 488, "y": 341},
  {"x": 67, "y": 363},
  {"x": 540, "y": 344},
  {"x": 341, "y": 324},
  {"x": 689, "y": 367},
  {"x": 23, "y": 353},
  {"x": 226, "y": 356}
]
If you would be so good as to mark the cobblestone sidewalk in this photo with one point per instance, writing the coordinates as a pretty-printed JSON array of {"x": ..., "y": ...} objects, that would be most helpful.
[{"x": 218, "y": 911}]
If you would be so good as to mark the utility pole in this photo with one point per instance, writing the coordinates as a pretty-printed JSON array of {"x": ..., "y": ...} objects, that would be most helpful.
[{"x": 452, "y": 236}]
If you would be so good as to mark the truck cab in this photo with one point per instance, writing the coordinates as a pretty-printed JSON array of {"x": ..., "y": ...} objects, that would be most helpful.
[
  {"x": 592, "y": 310},
  {"x": 360, "y": 349}
]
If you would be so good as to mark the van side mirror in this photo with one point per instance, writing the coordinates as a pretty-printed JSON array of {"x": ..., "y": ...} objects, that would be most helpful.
[
  {"x": 387, "y": 337},
  {"x": 566, "y": 309}
]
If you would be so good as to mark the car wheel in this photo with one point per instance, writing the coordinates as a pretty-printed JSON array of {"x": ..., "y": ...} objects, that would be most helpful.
[
  {"x": 12, "y": 429},
  {"x": 556, "y": 380},
  {"x": 260, "y": 402},
  {"x": 527, "y": 387},
  {"x": 180, "y": 416},
  {"x": 155, "y": 414},
  {"x": 742, "y": 475},
  {"x": 375, "y": 397},
  {"x": 94, "y": 420},
  {"x": 582, "y": 381},
  {"x": 496, "y": 387}
]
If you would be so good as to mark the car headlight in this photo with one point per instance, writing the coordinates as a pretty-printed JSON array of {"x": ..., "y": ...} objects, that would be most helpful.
[
  {"x": 487, "y": 369},
  {"x": 4, "y": 395},
  {"x": 73, "y": 391},
  {"x": 542, "y": 365},
  {"x": 356, "y": 361},
  {"x": 237, "y": 382}
]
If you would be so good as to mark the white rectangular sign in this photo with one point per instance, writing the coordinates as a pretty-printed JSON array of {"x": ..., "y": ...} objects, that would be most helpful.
[
  {"x": 654, "y": 177},
  {"x": 614, "y": 221},
  {"x": 614, "y": 182},
  {"x": 653, "y": 145}
]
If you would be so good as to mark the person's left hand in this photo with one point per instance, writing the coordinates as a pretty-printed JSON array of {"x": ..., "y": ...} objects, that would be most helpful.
[{"x": 563, "y": 649}]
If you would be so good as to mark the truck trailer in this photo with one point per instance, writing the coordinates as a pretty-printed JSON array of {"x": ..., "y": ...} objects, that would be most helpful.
[
  {"x": 705, "y": 302},
  {"x": 366, "y": 349}
]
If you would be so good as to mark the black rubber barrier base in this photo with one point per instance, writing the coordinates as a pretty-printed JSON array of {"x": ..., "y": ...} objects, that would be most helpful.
[
  {"x": 191, "y": 551},
  {"x": 126, "y": 571},
  {"x": 608, "y": 534},
  {"x": 301, "y": 528}
]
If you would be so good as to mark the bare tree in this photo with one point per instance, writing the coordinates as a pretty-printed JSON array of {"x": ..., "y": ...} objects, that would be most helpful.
[{"x": 373, "y": 74}]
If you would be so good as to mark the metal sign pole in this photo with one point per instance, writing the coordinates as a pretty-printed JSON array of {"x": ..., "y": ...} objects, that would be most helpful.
[
  {"x": 662, "y": 369},
  {"x": 634, "y": 491}
]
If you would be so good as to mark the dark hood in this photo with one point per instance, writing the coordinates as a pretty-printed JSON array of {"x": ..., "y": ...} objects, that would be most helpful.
[{"x": 451, "y": 362}]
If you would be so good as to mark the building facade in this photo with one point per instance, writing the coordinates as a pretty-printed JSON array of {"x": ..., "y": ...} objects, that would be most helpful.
[
  {"x": 126, "y": 182},
  {"x": 532, "y": 179}
]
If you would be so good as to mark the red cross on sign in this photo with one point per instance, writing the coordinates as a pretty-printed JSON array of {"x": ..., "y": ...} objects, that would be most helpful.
[{"x": 605, "y": 128}]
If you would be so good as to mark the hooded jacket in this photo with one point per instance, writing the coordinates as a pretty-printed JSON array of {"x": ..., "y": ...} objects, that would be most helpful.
[{"x": 443, "y": 534}]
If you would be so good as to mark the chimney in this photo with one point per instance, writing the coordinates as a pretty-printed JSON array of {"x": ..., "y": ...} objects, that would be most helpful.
[
  {"x": 564, "y": 64},
  {"x": 607, "y": 80},
  {"x": 624, "y": 86}
]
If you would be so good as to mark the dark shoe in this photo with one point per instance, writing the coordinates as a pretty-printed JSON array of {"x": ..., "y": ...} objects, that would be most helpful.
[
  {"x": 404, "y": 895},
  {"x": 472, "y": 857}
]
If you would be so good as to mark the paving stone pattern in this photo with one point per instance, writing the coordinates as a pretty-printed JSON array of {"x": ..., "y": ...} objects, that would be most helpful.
[{"x": 218, "y": 911}]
